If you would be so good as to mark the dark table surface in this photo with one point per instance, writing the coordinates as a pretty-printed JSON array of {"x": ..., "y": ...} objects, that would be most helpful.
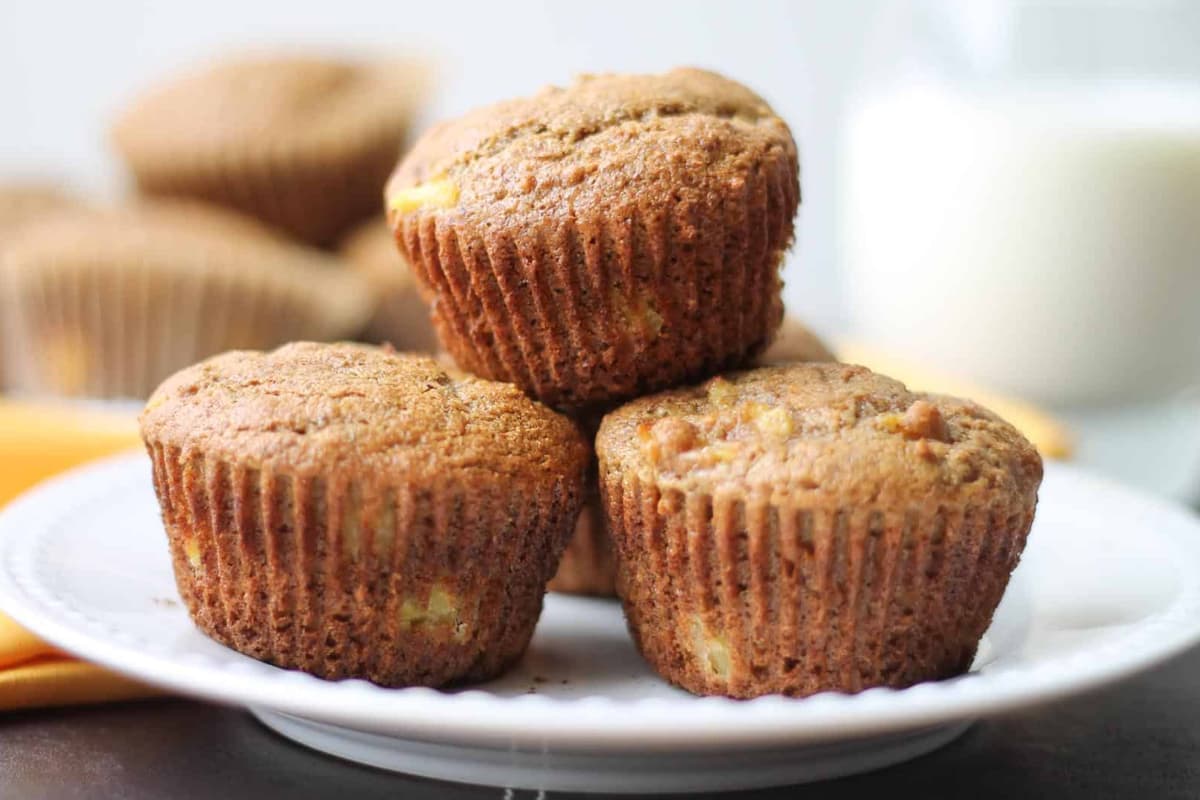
[{"x": 1140, "y": 740}]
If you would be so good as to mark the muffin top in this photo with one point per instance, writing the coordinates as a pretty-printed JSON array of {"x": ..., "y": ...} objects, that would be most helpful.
[
  {"x": 831, "y": 434},
  {"x": 187, "y": 238},
  {"x": 274, "y": 104},
  {"x": 323, "y": 409},
  {"x": 684, "y": 136}
]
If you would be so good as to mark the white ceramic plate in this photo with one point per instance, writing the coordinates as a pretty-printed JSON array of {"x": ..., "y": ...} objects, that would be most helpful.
[{"x": 1109, "y": 585}]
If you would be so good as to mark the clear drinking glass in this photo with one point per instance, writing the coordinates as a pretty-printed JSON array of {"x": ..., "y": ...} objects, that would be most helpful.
[{"x": 1021, "y": 188}]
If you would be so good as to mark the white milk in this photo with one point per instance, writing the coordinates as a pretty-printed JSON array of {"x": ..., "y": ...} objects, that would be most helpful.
[{"x": 1045, "y": 243}]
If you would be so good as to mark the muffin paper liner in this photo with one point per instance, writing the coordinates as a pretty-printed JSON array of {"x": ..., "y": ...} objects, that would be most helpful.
[
  {"x": 117, "y": 330},
  {"x": 588, "y": 565},
  {"x": 746, "y": 596},
  {"x": 405, "y": 587},
  {"x": 401, "y": 319},
  {"x": 587, "y": 309}
]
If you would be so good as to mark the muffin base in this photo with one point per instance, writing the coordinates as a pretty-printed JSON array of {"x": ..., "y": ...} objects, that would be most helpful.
[
  {"x": 588, "y": 565},
  {"x": 742, "y": 596},
  {"x": 409, "y": 587}
]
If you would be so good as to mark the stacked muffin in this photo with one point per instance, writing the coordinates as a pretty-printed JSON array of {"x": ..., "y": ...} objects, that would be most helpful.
[{"x": 596, "y": 250}]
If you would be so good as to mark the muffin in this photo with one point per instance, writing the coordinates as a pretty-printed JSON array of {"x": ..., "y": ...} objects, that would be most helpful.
[
  {"x": 107, "y": 303},
  {"x": 812, "y": 527},
  {"x": 401, "y": 317},
  {"x": 588, "y": 566},
  {"x": 302, "y": 143},
  {"x": 795, "y": 341},
  {"x": 357, "y": 513},
  {"x": 600, "y": 241},
  {"x": 21, "y": 204}
]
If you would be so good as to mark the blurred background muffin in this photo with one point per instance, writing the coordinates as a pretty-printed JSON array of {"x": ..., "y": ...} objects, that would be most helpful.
[
  {"x": 301, "y": 142},
  {"x": 108, "y": 302},
  {"x": 22, "y": 202},
  {"x": 401, "y": 317}
]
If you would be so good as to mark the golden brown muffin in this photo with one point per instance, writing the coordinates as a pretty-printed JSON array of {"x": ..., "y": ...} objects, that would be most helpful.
[
  {"x": 595, "y": 242},
  {"x": 812, "y": 527},
  {"x": 302, "y": 143},
  {"x": 107, "y": 303},
  {"x": 401, "y": 317},
  {"x": 354, "y": 512},
  {"x": 795, "y": 341},
  {"x": 588, "y": 565},
  {"x": 21, "y": 204}
]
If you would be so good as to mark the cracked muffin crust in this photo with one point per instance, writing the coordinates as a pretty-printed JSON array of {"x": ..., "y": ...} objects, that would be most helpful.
[
  {"x": 812, "y": 527},
  {"x": 354, "y": 512},
  {"x": 598, "y": 241}
]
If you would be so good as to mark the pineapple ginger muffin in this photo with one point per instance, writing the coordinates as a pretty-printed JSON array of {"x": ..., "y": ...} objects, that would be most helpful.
[
  {"x": 812, "y": 527},
  {"x": 588, "y": 565},
  {"x": 594, "y": 242},
  {"x": 108, "y": 302},
  {"x": 353, "y": 512},
  {"x": 22, "y": 203},
  {"x": 302, "y": 143},
  {"x": 401, "y": 317}
]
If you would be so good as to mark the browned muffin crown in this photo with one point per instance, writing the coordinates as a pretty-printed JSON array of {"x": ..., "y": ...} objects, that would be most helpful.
[
  {"x": 603, "y": 139},
  {"x": 829, "y": 434},
  {"x": 605, "y": 239},
  {"x": 313, "y": 408},
  {"x": 304, "y": 143}
]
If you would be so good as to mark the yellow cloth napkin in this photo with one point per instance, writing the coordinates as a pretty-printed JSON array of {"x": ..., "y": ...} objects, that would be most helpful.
[
  {"x": 37, "y": 441},
  {"x": 33, "y": 675}
]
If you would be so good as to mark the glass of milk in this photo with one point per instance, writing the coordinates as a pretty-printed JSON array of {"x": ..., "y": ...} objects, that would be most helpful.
[{"x": 1021, "y": 196}]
